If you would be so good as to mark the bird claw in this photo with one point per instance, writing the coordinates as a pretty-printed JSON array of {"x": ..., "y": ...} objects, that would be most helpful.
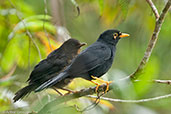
[
  {"x": 97, "y": 87},
  {"x": 58, "y": 91},
  {"x": 107, "y": 86},
  {"x": 68, "y": 93},
  {"x": 106, "y": 82}
]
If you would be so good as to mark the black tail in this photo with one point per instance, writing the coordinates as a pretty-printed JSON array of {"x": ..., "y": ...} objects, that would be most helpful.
[
  {"x": 52, "y": 81},
  {"x": 23, "y": 92}
]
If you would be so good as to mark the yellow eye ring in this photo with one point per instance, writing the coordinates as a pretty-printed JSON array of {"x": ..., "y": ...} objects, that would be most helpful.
[{"x": 115, "y": 35}]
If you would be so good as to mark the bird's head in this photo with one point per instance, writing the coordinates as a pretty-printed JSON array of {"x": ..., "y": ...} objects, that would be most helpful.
[
  {"x": 112, "y": 36},
  {"x": 72, "y": 46}
]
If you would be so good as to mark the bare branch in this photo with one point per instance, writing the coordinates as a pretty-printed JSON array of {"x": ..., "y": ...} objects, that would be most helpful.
[
  {"x": 133, "y": 101},
  {"x": 152, "y": 41},
  {"x": 168, "y": 82},
  {"x": 163, "y": 81},
  {"x": 164, "y": 11},
  {"x": 102, "y": 88},
  {"x": 77, "y": 7},
  {"x": 9, "y": 74},
  {"x": 154, "y": 9}
]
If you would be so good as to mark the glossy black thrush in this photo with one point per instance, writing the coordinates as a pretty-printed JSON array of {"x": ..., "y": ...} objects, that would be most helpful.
[
  {"x": 91, "y": 63},
  {"x": 46, "y": 69}
]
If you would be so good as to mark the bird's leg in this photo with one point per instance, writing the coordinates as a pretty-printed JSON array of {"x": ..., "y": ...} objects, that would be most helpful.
[
  {"x": 106, "y": 82},
  {"x": 97, "y": 85},
  {"x": 57, "y": 91},
  {"x": 69, "y": 91}
]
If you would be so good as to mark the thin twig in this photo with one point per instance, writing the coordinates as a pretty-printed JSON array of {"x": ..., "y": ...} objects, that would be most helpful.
[
  {"x": 94, "y": 104},
  {"x": 77, "y": 6},
  {"x": 154, "y": 9},
  {"x": 27, "y": 31},
  {"x": 132, "y": 101},
  {"x": 164, "y": 11},
  {"x": 168, "y": 82},
  {"x": 10, "y": 73},
  {"x": 152, "y": 42},
  {"x": 163, "y": 81}
]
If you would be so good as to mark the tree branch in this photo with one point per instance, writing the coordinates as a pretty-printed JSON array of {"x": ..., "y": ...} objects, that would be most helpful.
[
  {"x": 154, "y": 9},
  {"x": 168, "y": 82},
  {"x": 163, "y": 81},
  {"x": 102, "y": 88},
  {"x": 132, "y": 101},
  {"x": 152, "y": 41},
  {"x": 78, "y": 94}
]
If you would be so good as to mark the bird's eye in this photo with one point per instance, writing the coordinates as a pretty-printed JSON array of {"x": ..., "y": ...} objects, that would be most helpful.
[{"x": 115, "y": 35}]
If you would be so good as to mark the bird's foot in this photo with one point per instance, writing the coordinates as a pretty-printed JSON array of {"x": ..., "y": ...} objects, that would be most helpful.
[
  {"x": 58, "y": 91},
  {"x": 68, "y": 91},
  {"x": 100, "y": 80},
  {"x": 107, "y": 83},
  {"x": 97, "y": 86}
]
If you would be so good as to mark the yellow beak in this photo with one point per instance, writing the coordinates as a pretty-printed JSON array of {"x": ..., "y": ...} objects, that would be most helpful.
[{"x": 123, "y": 35}]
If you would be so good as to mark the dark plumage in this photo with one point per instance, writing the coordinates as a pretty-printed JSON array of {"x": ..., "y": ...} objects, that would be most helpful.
[
  {"x": 95, "y": 61},
  {"x": 46, "y": 69}
]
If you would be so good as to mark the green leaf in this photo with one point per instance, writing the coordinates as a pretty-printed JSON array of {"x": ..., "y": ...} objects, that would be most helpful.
[
  {"x": 124, "y": 7},
  {"x": 33, "y": 23},
  {"x": 9, "y": 56},
  {"x": 121, "y": 87},
  {"x": 150, "y": 72},
  {"x": 17, "y": 52},
  {"x": 57, "y": 106},
  {"x": 6, "y": 82},
  {"x": 101, "y": 5},
  {"x": 4, "y": 103}
]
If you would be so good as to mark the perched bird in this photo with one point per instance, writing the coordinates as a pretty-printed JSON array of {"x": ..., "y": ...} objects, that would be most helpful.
[
  {"x": 55, "y": 62},
  {"x": 91, "y": 63}
]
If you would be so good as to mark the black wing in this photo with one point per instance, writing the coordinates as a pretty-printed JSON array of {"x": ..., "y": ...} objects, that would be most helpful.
[
  {"x": 90, "y": 58},
  {"x": 51, "y": 65}
]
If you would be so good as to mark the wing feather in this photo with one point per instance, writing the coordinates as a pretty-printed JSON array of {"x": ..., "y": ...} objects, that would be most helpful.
[{"x": 90, "y": 58}]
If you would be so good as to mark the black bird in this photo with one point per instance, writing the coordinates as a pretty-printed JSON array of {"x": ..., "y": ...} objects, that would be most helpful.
[
  {"x": 91, "y": 63},
  {"x": 46, "y": 69}
]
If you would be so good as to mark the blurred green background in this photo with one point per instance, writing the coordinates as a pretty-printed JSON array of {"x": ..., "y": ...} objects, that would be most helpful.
[{"x": 20, "y": 53}]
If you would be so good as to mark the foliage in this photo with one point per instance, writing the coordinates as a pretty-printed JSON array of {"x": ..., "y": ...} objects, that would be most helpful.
[{"x": 18, "y": 53}]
